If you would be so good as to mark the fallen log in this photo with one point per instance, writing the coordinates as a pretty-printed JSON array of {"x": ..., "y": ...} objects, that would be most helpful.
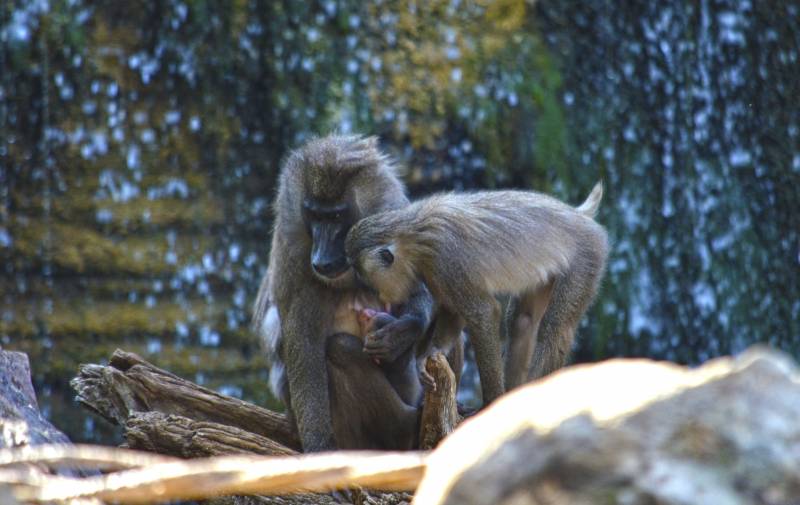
[
  {"x": 209, "y": 423},
  {"x": 28, "y": 474},
  {"x": 130, "y": 384},
  {"x": 188, "y": 438}
]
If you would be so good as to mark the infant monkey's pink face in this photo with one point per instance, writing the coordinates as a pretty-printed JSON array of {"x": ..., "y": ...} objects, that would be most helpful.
[{"x": 365, "y": 318}]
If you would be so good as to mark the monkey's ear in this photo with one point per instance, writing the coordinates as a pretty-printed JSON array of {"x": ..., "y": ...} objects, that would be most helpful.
[
  {"x": 371, "y": 142},
  {"x": 361, "y": 152}
]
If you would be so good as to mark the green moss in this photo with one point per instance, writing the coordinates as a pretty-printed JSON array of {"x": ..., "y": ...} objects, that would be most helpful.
[
  {"x": 59, "y": 360},
  {"x": 165, "y": 213},
  {"x": 129, "y": 217},
  {"x": 83, "y": 250},
  {"x": 86, "y": 316}
]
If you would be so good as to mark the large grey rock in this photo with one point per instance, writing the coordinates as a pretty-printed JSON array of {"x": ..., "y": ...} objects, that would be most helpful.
[
  {"x": 632, "y": 432},
  {"x": 21, "y": 423}
]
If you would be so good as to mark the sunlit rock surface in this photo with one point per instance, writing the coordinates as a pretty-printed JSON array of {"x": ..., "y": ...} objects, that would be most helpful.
[{"x": 632, "y": 431}]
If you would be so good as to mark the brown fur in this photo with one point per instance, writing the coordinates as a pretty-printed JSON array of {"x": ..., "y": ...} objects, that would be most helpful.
[{"x": 469, "y": 247}]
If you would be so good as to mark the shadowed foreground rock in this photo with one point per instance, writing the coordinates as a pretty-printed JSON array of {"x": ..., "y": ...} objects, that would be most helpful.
[
  {"x": 634, "y": 432},
  {"x": 21, "y": 423}
]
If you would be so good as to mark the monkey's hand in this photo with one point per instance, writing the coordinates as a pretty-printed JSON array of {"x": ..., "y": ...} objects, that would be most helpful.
[
  {"x": 427, "y": 380},
  {"x": 390, "y": 337},
  {"x": 368, "y": 321}
]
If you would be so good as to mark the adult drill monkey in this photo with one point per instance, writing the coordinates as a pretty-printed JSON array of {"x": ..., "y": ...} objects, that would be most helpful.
[
  {"x": 469, "y": 247},
  {"x": 309, "y": 304}
]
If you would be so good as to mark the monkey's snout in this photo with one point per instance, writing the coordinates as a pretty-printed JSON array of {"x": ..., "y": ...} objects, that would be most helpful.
[{"x": 330, "y": 269}]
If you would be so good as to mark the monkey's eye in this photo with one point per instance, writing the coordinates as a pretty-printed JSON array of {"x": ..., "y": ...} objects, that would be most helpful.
[{"x": 386, "y": 256}]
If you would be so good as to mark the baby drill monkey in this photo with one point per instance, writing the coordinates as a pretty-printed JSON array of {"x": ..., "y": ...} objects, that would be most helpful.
[{"x": 467, "y": 248}]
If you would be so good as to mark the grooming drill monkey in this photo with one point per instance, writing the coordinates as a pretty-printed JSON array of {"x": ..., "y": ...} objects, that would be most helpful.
[
  {"x": 467, "y": 248},
  {"x": 315, "y": 317}
]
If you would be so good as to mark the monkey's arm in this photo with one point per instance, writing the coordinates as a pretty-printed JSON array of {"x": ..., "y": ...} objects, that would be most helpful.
[
  {"x": 393, "y": 337},
  {"x": 304, "y": 356}
]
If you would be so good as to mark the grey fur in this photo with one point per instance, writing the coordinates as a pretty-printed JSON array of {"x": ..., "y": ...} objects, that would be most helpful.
[{"x": 469, "y": 247}]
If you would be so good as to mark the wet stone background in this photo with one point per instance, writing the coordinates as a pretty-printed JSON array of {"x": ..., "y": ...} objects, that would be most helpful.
[{"x": 139, "y": 145}]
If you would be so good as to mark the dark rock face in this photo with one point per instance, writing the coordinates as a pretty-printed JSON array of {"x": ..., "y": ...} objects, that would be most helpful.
[
  {"x": 21, "y": 423},
  {"x": 632, "y": 431}
]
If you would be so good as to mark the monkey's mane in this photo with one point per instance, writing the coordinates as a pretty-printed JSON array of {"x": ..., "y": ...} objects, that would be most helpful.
[{"x": 328, "y": 164}]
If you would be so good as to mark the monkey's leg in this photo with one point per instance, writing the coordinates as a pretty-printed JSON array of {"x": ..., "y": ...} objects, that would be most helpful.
[
  {"x": 572, "y": 295},
  {"x": 403, "y": 375},
  {"x": 523, "y": 330},
  {"x": 455, "y": 358},
  {"x": 367, "y": 411},
  {"x": 482, "y": 315}
]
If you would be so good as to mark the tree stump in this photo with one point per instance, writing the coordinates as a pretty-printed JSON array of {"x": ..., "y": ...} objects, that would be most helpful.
[{"x": 439, "y": 410}]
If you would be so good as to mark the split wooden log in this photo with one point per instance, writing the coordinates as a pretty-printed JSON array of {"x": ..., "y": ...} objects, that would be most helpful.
[
  {"x": 192, "y": 421},
  {"x": 187, "y": 438},
  {"x": 130, "y": 384}
]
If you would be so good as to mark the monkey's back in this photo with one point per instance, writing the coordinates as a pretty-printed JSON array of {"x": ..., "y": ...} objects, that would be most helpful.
[{"x": 510, "y": 240}]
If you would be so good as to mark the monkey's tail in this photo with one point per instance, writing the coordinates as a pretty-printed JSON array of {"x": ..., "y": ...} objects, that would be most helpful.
[{"x": 592, "y": 203}]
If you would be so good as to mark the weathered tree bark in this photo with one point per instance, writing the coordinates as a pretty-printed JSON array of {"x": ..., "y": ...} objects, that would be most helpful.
[
  {"x": 196, "y": 421},
  {"x": 130, "y": 384},
  {"x": 187, "y": 438}
]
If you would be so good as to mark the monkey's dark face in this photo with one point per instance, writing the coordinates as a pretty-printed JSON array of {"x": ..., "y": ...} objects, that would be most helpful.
[{"x": 328, "y": 224}]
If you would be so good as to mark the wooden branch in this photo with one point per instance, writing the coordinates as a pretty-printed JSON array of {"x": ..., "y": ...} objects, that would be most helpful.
[
  {"x": 201, "y": 478},
  {"x": 187, "y": 438},
  {"x": 130, "y": 384},
  {"x": 439, "y": 411},
  {"x": 81, "y": 456}
]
